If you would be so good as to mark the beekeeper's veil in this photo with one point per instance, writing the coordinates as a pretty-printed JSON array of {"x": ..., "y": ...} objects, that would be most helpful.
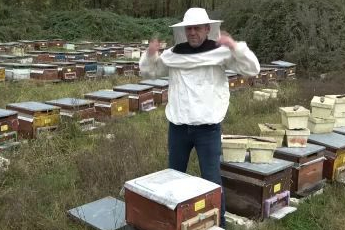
[{"x": 195, "y": 16}]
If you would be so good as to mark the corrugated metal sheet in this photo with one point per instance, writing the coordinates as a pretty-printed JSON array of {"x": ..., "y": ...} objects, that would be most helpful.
[
  {"x": 332, "y": 140},
  {"x": 6, "y": 112},
  {"x": 33, "y": 106}
]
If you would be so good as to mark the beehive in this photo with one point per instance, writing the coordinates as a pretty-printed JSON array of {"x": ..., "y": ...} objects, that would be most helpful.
[
  {"x": 320, "y": 125},
  {"x": 272, "y": 92},
  {"x": 261, "y": 96},
  {"x": 131, "y": 53},
  {"x": 297, "y": 138},
  {"x": 160, "y": 90},
  {"x": 8, "y": 129},
  {"x": 67, "y": 70},
  {"x": 45, "y": 72},
  {"x": 16, "y": 71},
  {"x": 2, "y": 74},
  {"x": 321, "y": 107},
  {"x": 234, "y": 150},
  {"x": 86, "y": 68},
  {"x": 261, "y": 151},
  {"x": 276, "y": 131},
  {"x": 339, "y": 105},
  {"x": 268, "y": 75},
  {"x": 294, "y": 117}
]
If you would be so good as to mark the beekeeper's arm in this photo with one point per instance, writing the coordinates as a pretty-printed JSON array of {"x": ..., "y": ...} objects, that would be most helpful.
[
  {"x": 150, "y": 64},
  {"x": 242, "y": 60}
]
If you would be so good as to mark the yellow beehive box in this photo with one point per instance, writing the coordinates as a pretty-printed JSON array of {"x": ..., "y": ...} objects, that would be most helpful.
[
  {"x": 273, "y": 92},
  {"x": 2, "y": 74},
  {"x": 261, "y": 96},
  {"x": 321, "y": 107},
  {"x": 295, "y": 117},
  {"x": 320, "y": 125},
  {"x": 339, "y": 105},
  {"x": 297, "y": 138},
  {"x": 276, "y": 131},
  {"x": 234, "y": 150},
  {"x": 262, "y": 151},
  {"x": 51, "y": 118}
]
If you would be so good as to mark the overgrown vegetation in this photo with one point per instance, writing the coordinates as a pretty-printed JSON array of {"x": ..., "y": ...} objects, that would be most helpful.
[{"x": 48, "y": 176}]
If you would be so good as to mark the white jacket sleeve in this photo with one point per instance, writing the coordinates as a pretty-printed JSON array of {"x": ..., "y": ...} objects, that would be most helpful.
[
  {"x": 152, "y": 67},
  {"x": 243, "y": 61}
]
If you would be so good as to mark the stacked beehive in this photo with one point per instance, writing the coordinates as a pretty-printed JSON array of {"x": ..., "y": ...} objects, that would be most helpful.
[
  {"x": 265, "y": 94},
  {"x": 338, "y": 111},
  {"x": 321, "y": 119}
]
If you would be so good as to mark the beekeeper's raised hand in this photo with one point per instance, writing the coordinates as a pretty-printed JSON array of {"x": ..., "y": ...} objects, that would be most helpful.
[
  {"x": 153, "y": 47},
  {"x": 226, "y": 40}
]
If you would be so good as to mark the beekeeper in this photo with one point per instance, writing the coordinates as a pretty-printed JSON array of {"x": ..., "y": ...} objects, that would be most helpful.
[{"x": 198, "y": 88}]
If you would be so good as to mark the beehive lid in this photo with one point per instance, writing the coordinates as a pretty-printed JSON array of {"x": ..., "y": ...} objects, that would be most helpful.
[
  {"x": 340, "y": 130},
  {"x": 85, "y": 62},
  {"x": 235, "y": 143},
  {"x": 26, "y": 41},
  {"x": 133, "y": 87},
  {"x": 107, "y": 94},
  {"x": 321, "y": 120},
  {"x": 283, "y": 63},
  {"x": 155, "y": 82},
  {"x": 56, "y": 52},
  {"x": 331, "y": 140},
  {"x": 322, "y": 102},
  {"x": 61, "y": 63},
  {"x": 33, "y": 106},
  {"x": 272, "y": 129},
  {"x": 6, "y": 56},
  {"x": 263, "y": 168},
  {"x": 270, "y": 90},
  {"x": 37, "y": 52},
  {"x": 104, "y": 214},
  {"x": 297, "y": 132},
  {"x": 6, "y": 112},
  {"x": 71, "y": 102},
  {"x": 86, "y": 51},
  {"x": 230, "y": 73},
  {"x": 339, "y": 99},
  {"x": 301, "y": 152},
  {"x": 165, "y": 78},
  {"x": 123, "y": 62},
  {"x": 73, "y": 53},
  {"x": 291, "y": 112},
  {"x": 44, "y": 66},
  {"x": 264, "y": 69},
  {"x": 256, "y": 144},
  {"x": 102, "y": 49},
  {"x": 170, "y": 187}
]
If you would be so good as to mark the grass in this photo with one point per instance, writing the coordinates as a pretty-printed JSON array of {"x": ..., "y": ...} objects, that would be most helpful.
[{"x": 49, "y": 176}]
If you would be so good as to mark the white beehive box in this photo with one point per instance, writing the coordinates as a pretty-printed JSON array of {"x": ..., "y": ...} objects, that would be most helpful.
[
  {"x": 321, "y": 107},
  {"x": 339, "y": 122},
  {"x": 4, "y": 163},
  {"x": 294, "y": 117},
  {"x": 276, "y": 131},
  {"x": 273, "y": 92},
  {"x": 262, "y": 151},
  {"x": 234, "y": 150},
  {"x": 144, "y": 42},
  {"x": 131, "y": 52},
  {"x": 320, "y": 125},
  {"x": 297, "y": 138},
  {"x": 339, "y": 105},
  {"x": 260, "y": 96}
]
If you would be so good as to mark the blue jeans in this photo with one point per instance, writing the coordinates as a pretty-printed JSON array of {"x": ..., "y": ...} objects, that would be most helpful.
[{"x": 207, "y": 141}]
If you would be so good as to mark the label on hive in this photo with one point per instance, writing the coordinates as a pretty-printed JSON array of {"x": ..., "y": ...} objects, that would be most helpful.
[
  {"x": 4, "y": 128},
  {"x": 119, "y": 109},
  {"x": 199, "y": 205},
  {"x": 270, "y": 75},
  {"x": 257, "y": 76},
  {"x": 232, "y": 84},
  {"x": 47, "y": 121},
  {"x": 242, "y": 81},
  {"x": 277, "y": 188},
  {"x": 68, "y": 70}
]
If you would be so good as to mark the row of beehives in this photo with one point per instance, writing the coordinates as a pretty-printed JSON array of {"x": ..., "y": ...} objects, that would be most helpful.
[
  {"x": 29, "y": 119},
  {"x": 23, "y": 46},
  {"x": 269, "y": 73},
  {"x": 259, "y": 182},
  {"x": 68, "y": 70}
]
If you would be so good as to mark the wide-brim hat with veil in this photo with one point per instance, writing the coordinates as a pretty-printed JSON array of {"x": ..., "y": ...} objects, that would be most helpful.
[{"x": 196, "y": 16}]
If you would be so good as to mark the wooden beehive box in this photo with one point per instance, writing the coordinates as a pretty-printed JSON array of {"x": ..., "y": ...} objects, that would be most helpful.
[
  {"x": 156, "y": 201},
  {"x": 28, "y": 45},
  {"x": 297, "y": 137},
  {"x": 124, "y": 67},
  {"x": 67, "y": 70},
  {"x": 131, "y": 52},
  {"x": 102, "y": 53},
  {"x": 27, "y": 59},
  {"x": 232, "y": 78},
  {"x": 140, "y": 98},
  {"x": 268, "y": 75},
  {"x": 110, "y": 104},
  {"x": 89, "y": 54},
  {"x": 39, "y": 56},
  {"x": 2, "y": 74},
  {"x": 86, "y": 68},
  {"x": 41, "y": 44},
  {"x": 56, "y": 43},
  {"x": 45, "y": 72},
  {"x": 57, "y": 56},
  {"x": 288, "y": 69},
  {"x": 8, "y": 128},
  {"x": 35, "y": 117},
  {"x": 322, "y": 107},
  {"x": 333, "y": 168},
  {"x": 84, "y": 45},
  {"x": 307, "y": 170},
  {"x": 74, "y": 55},
  {"x": 83, "y": 111},
  {"x": 106, "y": 69},
  {"x": 160, "y": 90},
  {"x": 319, "y": 125},
  {"x": 256, "y": 191}
]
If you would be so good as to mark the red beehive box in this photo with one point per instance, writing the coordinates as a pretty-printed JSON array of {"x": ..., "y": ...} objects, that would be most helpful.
[
  {"x": 45, "y": 72},
  {"x": 171, "y": 200},
  {"x": 160, "y": 90}
]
